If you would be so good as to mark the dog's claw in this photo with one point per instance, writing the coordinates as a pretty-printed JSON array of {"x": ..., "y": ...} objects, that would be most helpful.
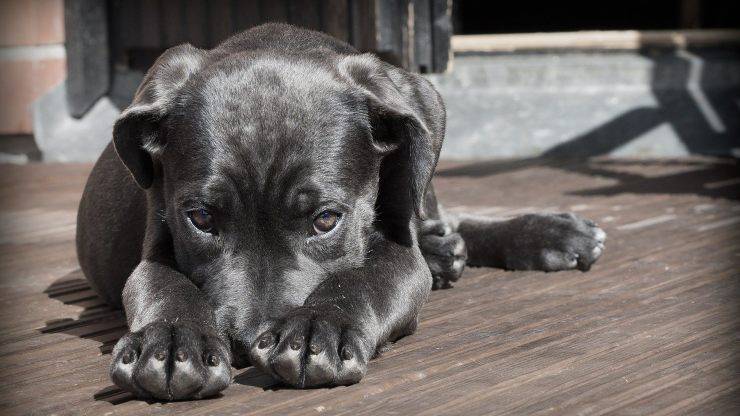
[
  {"x": 265, "y": 341},
  {"x": 346, "y": 354},
  {"x": 128, "y": 357},
  {"x": 213, "y": 360}
]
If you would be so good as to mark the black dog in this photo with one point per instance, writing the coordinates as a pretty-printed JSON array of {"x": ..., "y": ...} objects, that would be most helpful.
[{"x": 268, "y": 202}]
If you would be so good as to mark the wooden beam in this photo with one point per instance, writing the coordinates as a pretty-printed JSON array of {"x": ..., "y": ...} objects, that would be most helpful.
[
  {"x": 690, "y": 14},
  {"x": 391, "y": 31},
  {"x": 618, "y": 40},
  {"x": 88, "y": 63},
  {"x": 422, "y": 32},
  {"x": 335, "y": 17},
  {"x": 362, "y": 25},
  {"x": 441, "y": 33},
  {"x": 305, "y": 13}
]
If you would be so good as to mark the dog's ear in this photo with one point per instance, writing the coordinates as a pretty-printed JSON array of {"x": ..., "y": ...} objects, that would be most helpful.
[
  {"x": 137, "y": 136},
  {"x": 407, "y": 119}
]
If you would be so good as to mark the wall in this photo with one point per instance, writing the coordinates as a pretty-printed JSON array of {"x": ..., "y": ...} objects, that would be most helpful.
[{"x": 32, "y": 58}]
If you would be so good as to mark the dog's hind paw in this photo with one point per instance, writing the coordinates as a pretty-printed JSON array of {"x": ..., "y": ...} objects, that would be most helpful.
[
  {"x": 444, "y": 252},
  {"x": 171, "y": 362},
  {"x": 553, "y": 242}
]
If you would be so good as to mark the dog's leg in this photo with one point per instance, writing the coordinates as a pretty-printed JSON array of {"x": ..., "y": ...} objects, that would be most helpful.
[
  {"x": 548, "y": 242},
  {"x": 173, "y": 350},
  {"x": 330, "y": 339}
]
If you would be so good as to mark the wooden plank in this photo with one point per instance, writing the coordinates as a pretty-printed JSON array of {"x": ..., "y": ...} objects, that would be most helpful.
[
  {"x": 173, "y": 22},
  {"x": 441, "y": 34},
  {"x": 127, "y": 23},
  {"x": 362, "y": 28},
  {"x": 220, "y": 21},
  {"x": 150, "y": 27},
  {"x": 88, "y": 66},
  {"x": 690, "y": 14},
  {"x": 335, "y": 18},
  {"x": 423, "y": 37},
  {"x": 196, "y": 23},
  {"x": 391, "y": 32},
  {"x": 274, "y": 10},
  {"x": 246, "y": 14},
  {"x": 305, "y": 13}
]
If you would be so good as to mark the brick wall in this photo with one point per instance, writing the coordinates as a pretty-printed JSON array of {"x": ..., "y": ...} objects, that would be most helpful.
[{"x": 32, "y": 58}]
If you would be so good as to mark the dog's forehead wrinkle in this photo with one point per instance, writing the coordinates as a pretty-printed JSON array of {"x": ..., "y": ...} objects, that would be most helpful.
[
  {"x": 270, "y": 91},
  {"x": 304, "y": 104},
  {"x": 269, "y": 163},
  {"x": 270, "y": 76}
]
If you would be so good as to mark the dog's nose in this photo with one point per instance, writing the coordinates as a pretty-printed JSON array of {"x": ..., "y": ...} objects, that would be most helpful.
[{"x": 240, "y": 353}]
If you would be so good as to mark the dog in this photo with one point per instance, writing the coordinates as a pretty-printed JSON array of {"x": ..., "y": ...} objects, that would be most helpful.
[{"x": 268, "y": 202}]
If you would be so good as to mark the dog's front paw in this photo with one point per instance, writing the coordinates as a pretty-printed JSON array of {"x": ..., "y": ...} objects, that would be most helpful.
[
  {"x": 312, "y": 347},
  {"x": 444, "y": 252},
  {"x": 554, "y": 242},
  {"x": 171, "y": 361}
]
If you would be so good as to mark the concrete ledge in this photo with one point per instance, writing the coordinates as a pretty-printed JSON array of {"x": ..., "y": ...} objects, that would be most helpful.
[
  {"x": 63, "y": 138},
  {"x": 634, "y": 104}
]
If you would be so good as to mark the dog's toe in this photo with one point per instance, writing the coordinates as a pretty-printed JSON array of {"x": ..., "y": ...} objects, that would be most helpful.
[
  {"x": 123, "y": 364},
  {"x": 555, "y": 260},
  {"x": 599, "y": 235}
]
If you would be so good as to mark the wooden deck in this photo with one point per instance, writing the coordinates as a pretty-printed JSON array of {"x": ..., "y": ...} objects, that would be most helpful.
[{"x": 652, "y": 329}]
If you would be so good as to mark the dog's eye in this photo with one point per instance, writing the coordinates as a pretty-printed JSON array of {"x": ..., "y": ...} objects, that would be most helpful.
[
  {"x": 201, "y": 219},
  {"x": 326, "y": 221}
]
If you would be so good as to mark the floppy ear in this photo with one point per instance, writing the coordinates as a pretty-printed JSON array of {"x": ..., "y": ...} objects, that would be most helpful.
[
  {"x": 137, "y": 135},
  {"x": 407, "y": 117}
]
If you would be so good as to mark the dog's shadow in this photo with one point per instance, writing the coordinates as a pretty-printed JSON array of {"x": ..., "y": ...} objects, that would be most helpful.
[
  {"x": 97, "y": 321},
  {"x": 253, "y": 377}
]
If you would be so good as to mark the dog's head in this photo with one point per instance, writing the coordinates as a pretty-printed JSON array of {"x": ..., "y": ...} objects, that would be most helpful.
[{"x": 269, "y": 173}]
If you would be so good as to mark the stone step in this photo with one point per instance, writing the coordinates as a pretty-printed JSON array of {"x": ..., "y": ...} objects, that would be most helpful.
[{"x": 658, "y": 103}]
